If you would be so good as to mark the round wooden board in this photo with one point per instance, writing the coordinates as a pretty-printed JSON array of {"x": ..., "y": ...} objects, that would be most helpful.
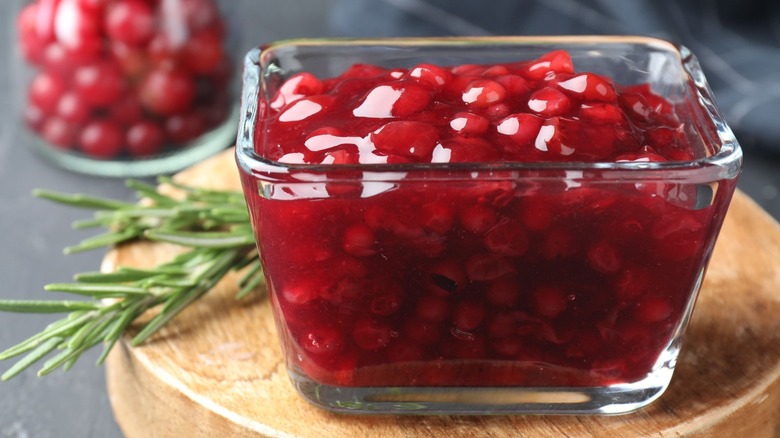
[{"x": 217, "y": 369}]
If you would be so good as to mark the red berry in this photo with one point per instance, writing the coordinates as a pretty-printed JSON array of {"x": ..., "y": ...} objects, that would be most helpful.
[
  {"x": 60, "y": 133},
  {"x": 432, "y": 308},
  {"x": 167, "y": 92},
  {"x": 75, "y": 27},
  {"x": 372, "y": 334},
  {"x": 73, "y": 108},
  {"x": 507, "y": 238},
  {"x": 407, "y": 138},
  {"x": 359, "y": 240},
  {"x": 127, "y": 110},
  {"x": 477, "y": 219},
  {"x": 590, "y": 87},
  {"x": 466, "y": 123},
  {"x": 504, "y": 292},
  {"x": 186, "y": 127},
  {"x": 429, "y": 75},
  {"x": 521, "y": 128},
  {"x": 203, "y": 52},
  {"x": 131, "y": 22},
  {"x": 549, "y": 301},
  {"x": 387, "y": 101},
  {"x": 437, "y": 217},
  {"x": 604, "y": 258},
  {"x": 652, "y": 309},
  {"x": 549, "y": 102},
  {"x": 100, "y": 84},
  {"x": 468, "y": 315},
  {"x": 485, "y": 267},
  {"x": 297, "y": 86},
  {"x": 483, "y": 93},
  {"x": 31, "y": 42},
  {"x": 102, "y": 139},
  {"x": 322, "y": 340},
  {"x": 45, "y": 92},
  {"x": 557, "y": 61},
  {"x": 145, "y": 138}
]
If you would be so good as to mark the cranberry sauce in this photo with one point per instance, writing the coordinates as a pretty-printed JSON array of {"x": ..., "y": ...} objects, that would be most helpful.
[
  {"x": 482, "y": 280},
  {"x": 124, "y": 78}
]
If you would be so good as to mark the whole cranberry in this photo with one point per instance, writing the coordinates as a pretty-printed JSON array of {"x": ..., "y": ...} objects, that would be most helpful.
[{"x": 167, "y": 92}]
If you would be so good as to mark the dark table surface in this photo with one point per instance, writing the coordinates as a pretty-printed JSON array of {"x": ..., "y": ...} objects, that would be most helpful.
[{"x": 75, "y": 404}]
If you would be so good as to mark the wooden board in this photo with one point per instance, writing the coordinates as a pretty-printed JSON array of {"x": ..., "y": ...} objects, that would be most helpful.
[{"x": 217, "y": 370}]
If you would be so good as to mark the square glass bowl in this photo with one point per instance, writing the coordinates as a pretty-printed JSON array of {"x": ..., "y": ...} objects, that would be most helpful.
[{"x": 553, "y": 287}]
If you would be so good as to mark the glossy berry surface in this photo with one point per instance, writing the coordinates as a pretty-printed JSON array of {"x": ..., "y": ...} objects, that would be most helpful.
[
  {"x": 146, "y": 66},
  {"x": 477, "y": 276}
]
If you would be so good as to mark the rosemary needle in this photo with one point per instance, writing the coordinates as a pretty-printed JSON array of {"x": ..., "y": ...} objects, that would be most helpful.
[{"x": 214, "y": 225}]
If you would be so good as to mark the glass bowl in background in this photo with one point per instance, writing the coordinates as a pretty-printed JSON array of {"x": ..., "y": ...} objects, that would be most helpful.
[
  {"x": 126, "y": 87},
  {"x": 484, "y": 288}
]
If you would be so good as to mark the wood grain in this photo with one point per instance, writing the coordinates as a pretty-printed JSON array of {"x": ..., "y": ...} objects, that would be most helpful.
[{"x": 217, "y": 370}]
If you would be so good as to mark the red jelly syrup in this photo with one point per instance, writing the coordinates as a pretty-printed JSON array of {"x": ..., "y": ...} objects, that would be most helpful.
[{"x": 474, "y": 276}]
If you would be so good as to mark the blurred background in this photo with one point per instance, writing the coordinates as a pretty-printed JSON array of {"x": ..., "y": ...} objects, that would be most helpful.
[{"x": 737, "y": 42}]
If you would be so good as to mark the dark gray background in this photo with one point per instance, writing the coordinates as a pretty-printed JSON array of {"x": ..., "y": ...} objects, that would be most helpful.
[{"x": 33, "y": 233}]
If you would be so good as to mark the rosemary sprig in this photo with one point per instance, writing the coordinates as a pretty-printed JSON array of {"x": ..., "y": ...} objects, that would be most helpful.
[{"x": 214, "y": 225}]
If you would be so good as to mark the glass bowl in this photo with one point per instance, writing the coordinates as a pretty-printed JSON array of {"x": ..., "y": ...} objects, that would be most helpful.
[
  {"x": 532, "y": 286},
  {"x": 125, "y": 88}
]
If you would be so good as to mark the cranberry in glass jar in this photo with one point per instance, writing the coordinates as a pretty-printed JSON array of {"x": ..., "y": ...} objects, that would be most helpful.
[{"x": 127, "y": 87}]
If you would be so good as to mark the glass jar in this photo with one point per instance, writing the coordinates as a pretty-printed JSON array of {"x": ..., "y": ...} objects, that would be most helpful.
[
  {"x": 472, "y": 226},
  {"x": 126, "y": 87}
]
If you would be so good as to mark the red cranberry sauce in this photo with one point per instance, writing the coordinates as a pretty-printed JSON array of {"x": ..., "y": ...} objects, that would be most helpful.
[
  {"x": 480, "y": 282},
  {"x": 117, "y": 73}
]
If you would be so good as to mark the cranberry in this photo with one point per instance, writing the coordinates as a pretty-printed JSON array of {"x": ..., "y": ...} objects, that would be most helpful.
[
  {"x": 590, "y": 87},
  {"x": 504, "y": 292},
  {"x": 432, "y": 308},
  {"x": 100, "y": 84},
  {"x": 31, "y": 42},
  {"x": 557, "y": 61},
  {"x": 549, "y": 301},
  {"x": 507, "y": 239},
  {"x": 652, "y": 309},
  {"x": 406, "y": 138},
  {"x": 127, "y": 110},
  {"x": 145, "y": 138},
  {"x": 483, "y": 93},
  {"x": 73, "y": 108},
  {"x": 133, "y": 61},
  {"x": 75, "y": 27},
  {"x": 45, "y": 92},
  {"x": 430, "y": 75},
  {"x": 297, "y": 86},
  {"x": 60, "y": 133},
  {"x": 185, "y": 127},
  {"x": 359, "y": 240},
  {"x": 521, "y": 128},
  {"x": 477, "y": 219},
  {"x": 203, "y": 52},
  {"x": 167, "y": 92},
  {"x": 323, "y": 340},
  {"x": 549, "y": 102},
  {"x": 486, "y": 267},
  {"x": 102, "y": 138},
  {"x": 469, "y": 124},
  {"x": 468, "y": 315},
  {"x": 372, "y": 334},
  {"x": 131, "y": 22},
  {"x": 387, "y": 101}
]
